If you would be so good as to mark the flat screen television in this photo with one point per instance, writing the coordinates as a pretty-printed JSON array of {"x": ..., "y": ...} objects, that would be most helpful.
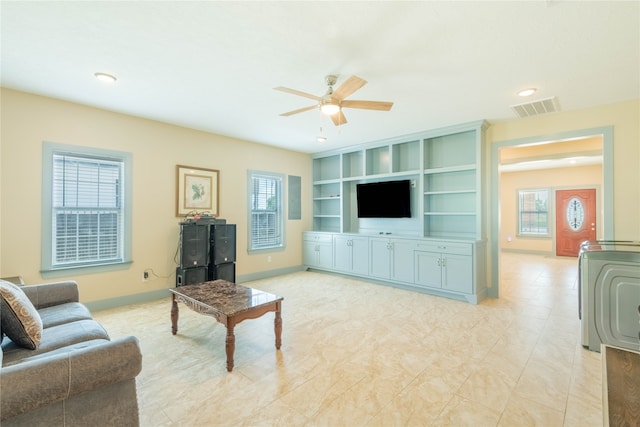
[{"x": 387, "y": 199}]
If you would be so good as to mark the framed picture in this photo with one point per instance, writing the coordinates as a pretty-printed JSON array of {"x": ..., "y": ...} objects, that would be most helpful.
[{"x": 197, "y": 190}]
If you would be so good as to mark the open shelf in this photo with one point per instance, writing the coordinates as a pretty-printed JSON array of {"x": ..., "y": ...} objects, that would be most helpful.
[
  {"x": 459, "y": 180},
  {"x": 326, "y": 223},
  {"x": 326, "y": 168},
  {"x": 326, "y": 190},
  {"x": 406, "y": 156},
  {"x": 452, "y": 202},
  {"x": 450, "y": 150},
  {"x": 353, "y": 164},
  {"x": 450, "y": 225},
  {"x": 378, "y": 160}
]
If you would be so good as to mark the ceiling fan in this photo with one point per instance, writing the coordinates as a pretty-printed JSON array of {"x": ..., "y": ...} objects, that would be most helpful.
[{"x": 332, "y": 102}]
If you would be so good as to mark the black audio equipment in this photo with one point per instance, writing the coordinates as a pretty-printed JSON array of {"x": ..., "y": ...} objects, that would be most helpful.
[
  {"x": 223, "y": 244},
  {"x": 190, "y": 276},
  {"x": 222, "y": 252},
  {"x": 207, "y": 251},
  {"x": 194, "y": 245},
  {"x": 223, "y": 271}
]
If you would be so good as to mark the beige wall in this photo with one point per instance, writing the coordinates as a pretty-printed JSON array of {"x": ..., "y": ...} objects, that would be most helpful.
[
  {"x": 625, "y": 119},
  {"x": 157, "y": 148},
  {"x": 552, "y": 179},
  {"x": 28, "y": 120}
]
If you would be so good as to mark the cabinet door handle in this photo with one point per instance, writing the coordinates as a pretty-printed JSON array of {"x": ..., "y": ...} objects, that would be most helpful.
[{"x": 444, "y": 262}]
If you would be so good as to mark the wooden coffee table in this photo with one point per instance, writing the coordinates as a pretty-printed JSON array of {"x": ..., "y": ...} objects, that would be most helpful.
[{"x": 230, "y": 304}]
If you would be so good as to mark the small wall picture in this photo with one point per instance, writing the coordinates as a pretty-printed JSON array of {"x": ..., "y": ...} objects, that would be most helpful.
[{"x": 197, "y": 190}]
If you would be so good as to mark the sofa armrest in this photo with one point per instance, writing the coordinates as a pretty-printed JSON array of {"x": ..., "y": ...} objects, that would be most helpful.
[
  {"x": 33, "y": 384},
  {"x": 54, "y": 293}
]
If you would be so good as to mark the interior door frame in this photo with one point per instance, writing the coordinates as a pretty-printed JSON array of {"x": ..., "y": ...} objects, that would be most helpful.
[{"x": 605, "y": 132}]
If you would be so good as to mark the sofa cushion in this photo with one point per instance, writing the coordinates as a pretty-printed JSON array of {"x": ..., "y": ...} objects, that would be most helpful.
[
  {"x": 54, "y": 338},
  {"x": 20, "y": 320},
  {"x": 63, "y": 313},
  {"x": 34, "y": 355}
]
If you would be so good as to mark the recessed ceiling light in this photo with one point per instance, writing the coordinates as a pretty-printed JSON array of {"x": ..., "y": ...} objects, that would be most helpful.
[
  {"x": 321, "y": 139},
  {"x": 104, "y": 77},
  {"x": 527, "y": 92}
]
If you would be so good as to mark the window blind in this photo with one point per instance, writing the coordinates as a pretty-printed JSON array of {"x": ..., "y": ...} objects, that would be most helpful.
[
  {"x": 266, "y": 211},
  {"x": 87, "y": 210}
]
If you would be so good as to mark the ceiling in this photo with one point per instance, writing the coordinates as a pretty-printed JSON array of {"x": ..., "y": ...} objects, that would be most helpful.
[{"x": 212, "y": 66}]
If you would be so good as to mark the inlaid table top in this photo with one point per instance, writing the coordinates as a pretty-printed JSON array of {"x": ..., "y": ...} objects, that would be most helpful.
[{"x": 225, "y": 297}]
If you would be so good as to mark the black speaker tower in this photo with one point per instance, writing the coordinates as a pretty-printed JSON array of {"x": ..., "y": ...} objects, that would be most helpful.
[{"x": 207, "y": 251}]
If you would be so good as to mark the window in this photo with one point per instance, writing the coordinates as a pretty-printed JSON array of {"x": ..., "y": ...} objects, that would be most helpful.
[
  {"x": 86, "y": 211},
  {"x": 533, "y": 212},
  {"x": 266, "y": 221}
]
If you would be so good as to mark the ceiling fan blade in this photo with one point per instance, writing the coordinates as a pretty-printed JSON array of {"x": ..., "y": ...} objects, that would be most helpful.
[
  {"x": 367, "y": 105},
  {"x": 339, "y": 118},
  {"x": 349, "y": 86},
  {"x": 297, "y": 92},
  {"x": 300, "y": 110}
]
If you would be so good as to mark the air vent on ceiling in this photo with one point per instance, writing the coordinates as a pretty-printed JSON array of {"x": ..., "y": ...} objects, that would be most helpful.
[{"x": 542, "y": 106}]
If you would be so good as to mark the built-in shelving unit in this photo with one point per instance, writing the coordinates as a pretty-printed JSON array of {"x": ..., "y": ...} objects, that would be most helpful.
[
  {"x": 445, "y": 166},
  {"x": 441, "y": 248}
]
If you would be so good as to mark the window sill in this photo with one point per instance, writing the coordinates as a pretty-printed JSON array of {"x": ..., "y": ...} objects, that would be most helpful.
[
  {"x": 84, "y": 269},
  {"x": 534, "y": 236}
]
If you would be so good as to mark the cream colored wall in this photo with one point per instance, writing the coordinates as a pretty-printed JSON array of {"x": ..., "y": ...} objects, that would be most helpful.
[
  {"x": 625, "y": 119},
  {"x": 560, "y": 178},
  {"x": 157, "y": 148},
  {"x": 28, "y": 120}
]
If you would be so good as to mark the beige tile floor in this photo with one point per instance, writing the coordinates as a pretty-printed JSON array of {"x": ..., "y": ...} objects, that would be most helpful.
[{"x": 361, "y": 354}]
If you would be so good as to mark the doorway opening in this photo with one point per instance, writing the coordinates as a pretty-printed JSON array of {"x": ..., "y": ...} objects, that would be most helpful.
[{"x": 578, "y": 160}]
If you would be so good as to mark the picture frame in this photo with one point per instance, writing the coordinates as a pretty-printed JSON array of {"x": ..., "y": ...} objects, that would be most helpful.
[{"x": 197, "y": 190}]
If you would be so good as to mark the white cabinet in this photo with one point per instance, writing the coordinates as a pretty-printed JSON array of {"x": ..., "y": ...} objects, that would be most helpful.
[
  {"x": 317, "y": 250},
  {"x": 351, "y": 253},
  {"x": 380, "y": 265},
  {"x": 392, "y": 259},
  {"x": 445, "y": 265}
]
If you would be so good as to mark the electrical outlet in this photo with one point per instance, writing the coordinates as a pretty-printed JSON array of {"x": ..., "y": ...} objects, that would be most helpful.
[{"x": 145, "y": 276}]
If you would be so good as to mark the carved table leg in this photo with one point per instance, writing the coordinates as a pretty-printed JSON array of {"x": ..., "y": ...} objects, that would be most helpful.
[
  {"x": 278, "y": 328},
  {"x": 230, "y": 347},
  {"x": 174, "y": 314}
]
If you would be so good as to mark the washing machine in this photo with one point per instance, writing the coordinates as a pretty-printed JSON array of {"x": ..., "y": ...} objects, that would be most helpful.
[{"x": 609, "y": 294}]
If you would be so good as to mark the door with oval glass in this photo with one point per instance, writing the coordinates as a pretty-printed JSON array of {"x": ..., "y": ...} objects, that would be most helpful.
[{"x": 575, "y": 220}]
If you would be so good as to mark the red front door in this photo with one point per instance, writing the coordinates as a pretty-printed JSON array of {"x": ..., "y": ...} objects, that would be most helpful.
[{"x": 575, "y": 220}]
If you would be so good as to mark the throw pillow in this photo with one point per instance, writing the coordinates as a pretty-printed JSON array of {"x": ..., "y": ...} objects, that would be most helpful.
[{"x": 20, "y": 319}]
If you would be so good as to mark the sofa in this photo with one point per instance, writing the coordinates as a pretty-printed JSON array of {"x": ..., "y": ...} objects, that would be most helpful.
[{"x": 58, "y": 365}]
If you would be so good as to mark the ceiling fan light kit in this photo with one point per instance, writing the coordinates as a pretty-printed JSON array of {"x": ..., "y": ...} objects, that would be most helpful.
[
  {"x": 329, "y": 109},
  {"x": 333, "y": 102}
]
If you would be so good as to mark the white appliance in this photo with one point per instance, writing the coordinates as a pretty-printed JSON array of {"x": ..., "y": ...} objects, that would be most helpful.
[{"x": 609, "y": 294}]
